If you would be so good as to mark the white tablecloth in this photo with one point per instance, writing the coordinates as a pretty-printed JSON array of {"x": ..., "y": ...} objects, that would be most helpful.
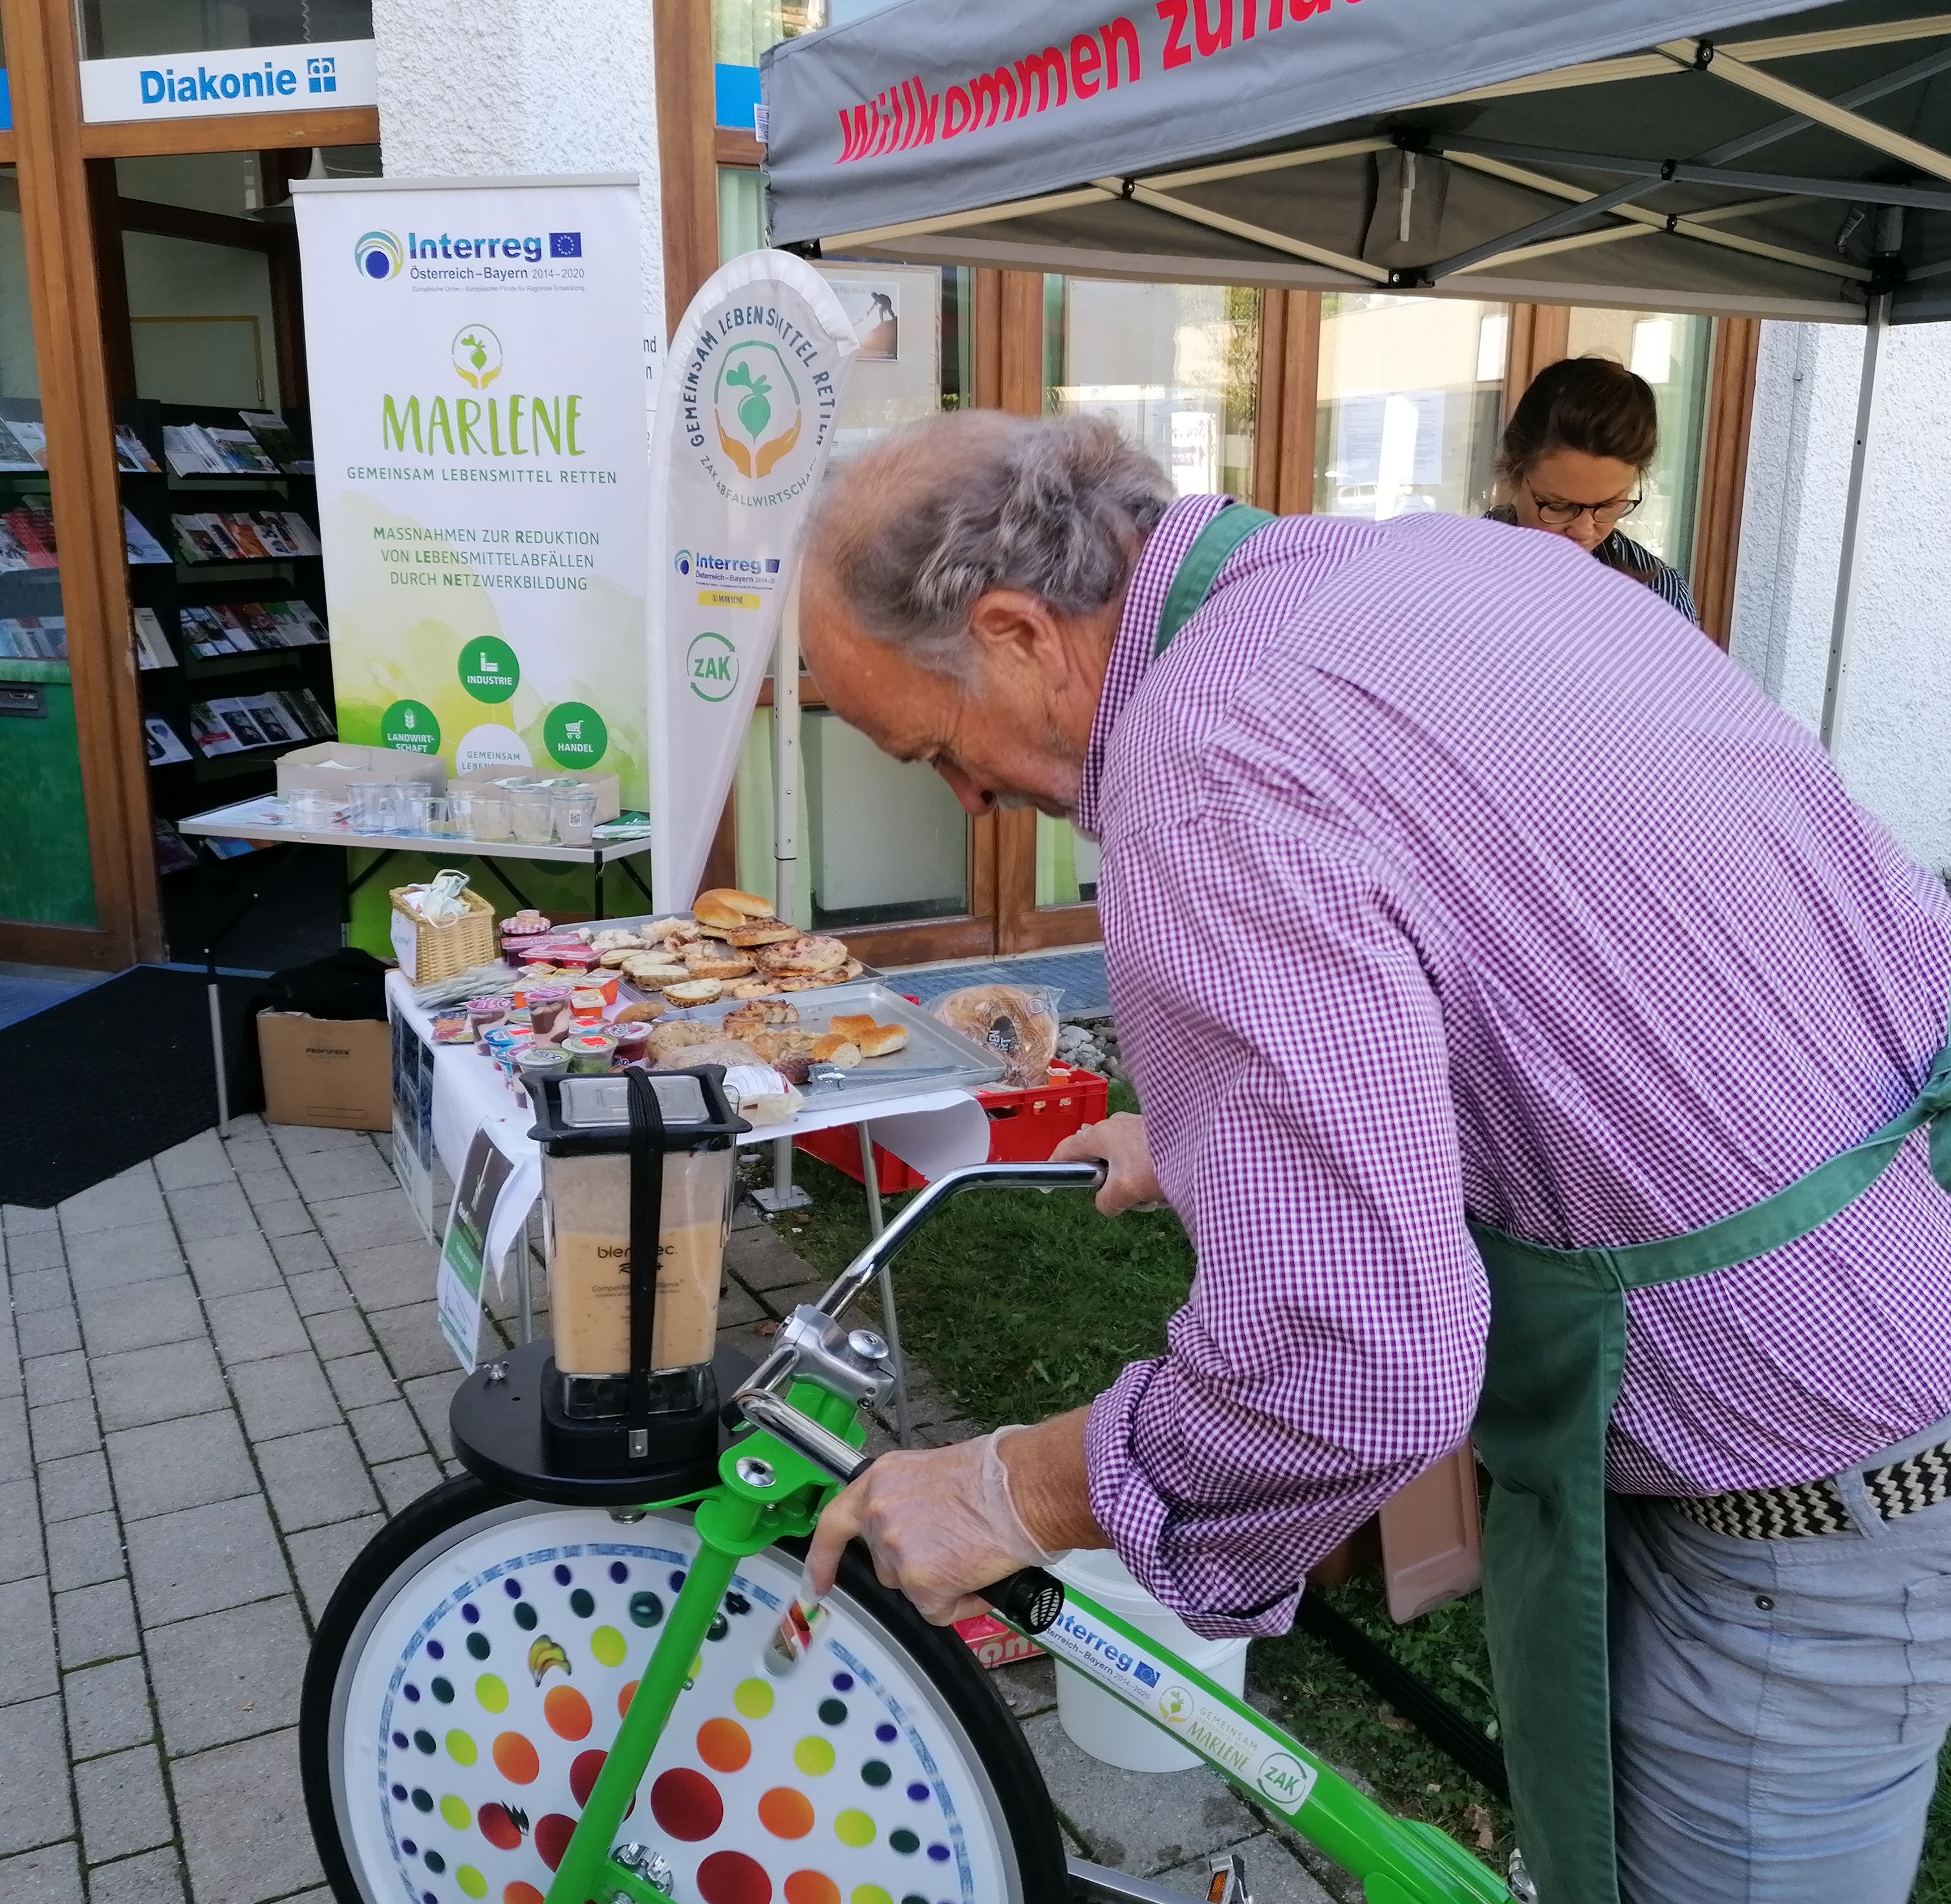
[{"x": 933, "y": 1132}]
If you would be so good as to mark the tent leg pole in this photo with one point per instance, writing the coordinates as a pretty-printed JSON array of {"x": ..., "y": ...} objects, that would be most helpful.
[
  {"x": 1842, "y": 627},
  {"x": 785, "y": 761}
]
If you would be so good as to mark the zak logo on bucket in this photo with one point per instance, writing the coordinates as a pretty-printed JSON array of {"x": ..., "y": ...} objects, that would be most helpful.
[{"x": 758, "y": 407}]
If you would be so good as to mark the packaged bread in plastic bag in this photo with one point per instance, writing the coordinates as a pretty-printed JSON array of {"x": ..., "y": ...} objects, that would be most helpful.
[{"x": 1017, "y": 1022}]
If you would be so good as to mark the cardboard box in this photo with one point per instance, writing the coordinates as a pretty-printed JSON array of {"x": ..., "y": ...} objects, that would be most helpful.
[
  {"x": 334, "y": 1072},
  {"x": 993, "y": 1643},
  {"x": 609, "y": 788},
  {"x": 333, "y": 766}
]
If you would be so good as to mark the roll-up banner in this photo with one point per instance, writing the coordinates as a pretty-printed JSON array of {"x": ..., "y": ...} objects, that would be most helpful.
[
  {"x": 477, "y": 368},
  {"x": 745, "y": 421}
]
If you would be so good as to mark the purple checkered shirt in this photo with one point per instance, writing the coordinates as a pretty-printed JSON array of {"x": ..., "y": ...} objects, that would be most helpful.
[{"x": 1446, "y": 871}]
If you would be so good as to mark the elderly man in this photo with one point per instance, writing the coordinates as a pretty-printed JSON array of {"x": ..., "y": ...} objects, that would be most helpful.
[{"x": 1535, "y": 1041}]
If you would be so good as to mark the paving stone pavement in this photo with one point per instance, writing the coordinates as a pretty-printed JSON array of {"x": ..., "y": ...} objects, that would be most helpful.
[{"x": 218, "y": 1372}]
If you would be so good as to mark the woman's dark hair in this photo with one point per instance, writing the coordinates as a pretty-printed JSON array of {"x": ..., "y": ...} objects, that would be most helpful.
[{"x": 1593, "y": 405}]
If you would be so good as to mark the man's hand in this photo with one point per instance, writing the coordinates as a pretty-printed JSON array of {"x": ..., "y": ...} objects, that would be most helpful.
[
  {"x": 944, "y": 1522},
  {"x": 1129, "y": 1182}
]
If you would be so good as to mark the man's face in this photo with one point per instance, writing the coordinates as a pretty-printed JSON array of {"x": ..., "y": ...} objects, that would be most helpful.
[{"x": 1012, "y": 735}]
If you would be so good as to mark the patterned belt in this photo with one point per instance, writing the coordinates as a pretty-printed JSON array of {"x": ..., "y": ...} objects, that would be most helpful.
[{"x": 1907, "y": 1487}]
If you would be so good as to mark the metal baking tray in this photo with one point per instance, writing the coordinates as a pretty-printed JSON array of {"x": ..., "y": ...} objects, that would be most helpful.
[{"x": 948, "y": 1060}]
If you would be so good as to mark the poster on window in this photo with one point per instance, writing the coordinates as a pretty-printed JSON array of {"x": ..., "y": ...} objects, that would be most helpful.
[{"x": 477, "y": 368}]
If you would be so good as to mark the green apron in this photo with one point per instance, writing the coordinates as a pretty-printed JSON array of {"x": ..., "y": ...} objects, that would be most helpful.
[{"x": 1553, "y": 1366}]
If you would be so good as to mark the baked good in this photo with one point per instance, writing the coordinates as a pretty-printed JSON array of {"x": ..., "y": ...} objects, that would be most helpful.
[
  {"x": 800, "y": 957},
  {"x": 728, "y": 1052},
  {"x": 693, "y": 991},
  {"x": 716, "y": 961},
  {"x": 781, "y": 1042},
  {"x": 851, "y": 1023},
  {"x": 613, "y": 938},
  {"x": 653, "y": 973},
  {"x": 759, "y": 1015},
  {"x": 683, "y": 1034},
  {"x": 725, "y": 906},
  {"x": 833, "y": 1048},
  {"x": 632, "y": 1014},
  {"x": 877, "y": 1041},
  {"x": 760, "y": 932},
  {"x": 754, "y": 988},
  {"x": 1019, "y": 1026}
]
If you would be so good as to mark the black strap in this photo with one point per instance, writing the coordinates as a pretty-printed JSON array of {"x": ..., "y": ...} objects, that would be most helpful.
[{"x": 647, "y": 1205}]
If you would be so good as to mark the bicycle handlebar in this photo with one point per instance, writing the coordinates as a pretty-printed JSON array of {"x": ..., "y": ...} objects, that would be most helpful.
[{"x": 1031, "y": 1599}]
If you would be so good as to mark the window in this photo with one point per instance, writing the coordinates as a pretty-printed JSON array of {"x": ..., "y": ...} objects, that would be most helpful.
[
  {"x": 1176, "y": 367},
  {"x": 119, "y": 29},
  {"x": 740, "y": 31},
  {"x": 1671, "y": 353},
  {"x": 1410, "y": 399}
]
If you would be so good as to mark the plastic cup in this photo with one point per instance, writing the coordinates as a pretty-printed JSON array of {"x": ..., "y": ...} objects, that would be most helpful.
[
  {"x": 489, "y": 816},
  {"x": 534, "y": 813},
  {"x": 574, "y": 810},
  {"x": 414, "y": 805}
]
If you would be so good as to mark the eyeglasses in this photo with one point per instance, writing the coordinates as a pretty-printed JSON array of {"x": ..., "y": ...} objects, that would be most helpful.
[{"x": 1562, "y": 515}]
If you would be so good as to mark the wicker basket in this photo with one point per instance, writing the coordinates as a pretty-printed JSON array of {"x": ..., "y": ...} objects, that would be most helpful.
[{"x": 430, "y": 952}]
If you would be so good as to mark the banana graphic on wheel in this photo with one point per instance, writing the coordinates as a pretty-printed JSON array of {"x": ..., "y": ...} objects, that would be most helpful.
[{"x": 545, "y": 1654}]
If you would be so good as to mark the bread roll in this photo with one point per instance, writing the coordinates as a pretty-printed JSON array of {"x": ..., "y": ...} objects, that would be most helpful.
[
  {"x": 761, "y": 932},
  {"x": 878, "y": 1040},
  {"x": 1019, "y": 1026},
  {"x": 632, "y": 1014},
  {"x": 696, "y": 991},
  {"x": 725, "y": 906},
  {"x": 834, "y": 1049},
  {"x": 851, "y": 1024}
]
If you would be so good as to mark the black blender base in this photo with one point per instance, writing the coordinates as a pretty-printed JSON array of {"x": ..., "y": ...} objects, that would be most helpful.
[{"x": 498, "y": 1429}]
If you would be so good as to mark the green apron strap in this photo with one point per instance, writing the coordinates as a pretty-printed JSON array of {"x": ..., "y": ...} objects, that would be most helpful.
[{"x": 1192, "y": 581}]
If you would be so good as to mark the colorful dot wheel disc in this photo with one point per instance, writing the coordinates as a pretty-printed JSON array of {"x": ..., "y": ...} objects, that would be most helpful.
[{"x": 486, "y": 1694}]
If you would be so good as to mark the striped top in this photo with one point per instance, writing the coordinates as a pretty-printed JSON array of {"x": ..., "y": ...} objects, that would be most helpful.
[
  {"x": 1620, "y": 551},
  {"x": 1447, "y": 872}
]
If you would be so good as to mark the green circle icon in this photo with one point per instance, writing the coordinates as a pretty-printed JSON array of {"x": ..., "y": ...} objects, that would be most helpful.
[
  {"x": 409, "y": 727},
  {"x": 575, "y": 735},
  {"x": 711, "y": 665},
  {"x": 488, "y": 669}
]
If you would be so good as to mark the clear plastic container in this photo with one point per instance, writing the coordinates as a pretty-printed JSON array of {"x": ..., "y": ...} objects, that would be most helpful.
[
  {"x": 416, "y": 806},
  {"x": 573, "y": 809},
  {"x": 534, "y": 813},
  {"x": 484, "y": 814},
  {"x": 586, "y": 1213},
  {"x": 376, "y": 806}
]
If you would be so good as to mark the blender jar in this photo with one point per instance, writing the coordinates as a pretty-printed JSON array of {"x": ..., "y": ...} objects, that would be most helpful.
[{"x": 589, "y": 1178}]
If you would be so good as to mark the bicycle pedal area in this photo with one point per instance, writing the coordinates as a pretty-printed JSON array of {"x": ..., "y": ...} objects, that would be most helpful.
[{"x": 222, "y": 1370}]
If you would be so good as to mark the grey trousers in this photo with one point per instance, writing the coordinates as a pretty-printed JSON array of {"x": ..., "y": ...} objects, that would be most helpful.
[{"x": 1778, "y": 1705}]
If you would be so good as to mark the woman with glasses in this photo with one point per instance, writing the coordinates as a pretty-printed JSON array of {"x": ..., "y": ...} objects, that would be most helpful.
[{"x": 1572, "y": 461}]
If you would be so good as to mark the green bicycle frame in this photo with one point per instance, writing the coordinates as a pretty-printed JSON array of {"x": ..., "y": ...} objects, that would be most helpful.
[{"x": 1399, "y": 1861}]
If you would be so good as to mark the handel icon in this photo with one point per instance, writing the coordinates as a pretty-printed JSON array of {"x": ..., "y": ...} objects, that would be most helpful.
[{"x": 758, "y": 407}]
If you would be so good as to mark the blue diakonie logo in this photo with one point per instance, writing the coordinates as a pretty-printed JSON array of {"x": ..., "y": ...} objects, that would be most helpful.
[
  {"x": 164, "y": 83},
  {"x": 377, "y": 255}
]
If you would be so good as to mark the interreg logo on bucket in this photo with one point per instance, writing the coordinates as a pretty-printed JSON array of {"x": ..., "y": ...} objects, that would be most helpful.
[{"x": 378, "y": 255}]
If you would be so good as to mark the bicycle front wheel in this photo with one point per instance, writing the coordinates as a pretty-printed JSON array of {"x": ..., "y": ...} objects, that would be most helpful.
[{"x": 473, "y": 1665}]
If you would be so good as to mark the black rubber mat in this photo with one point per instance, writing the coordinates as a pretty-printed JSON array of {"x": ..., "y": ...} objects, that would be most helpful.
[{"x": 104, "y": 1080}]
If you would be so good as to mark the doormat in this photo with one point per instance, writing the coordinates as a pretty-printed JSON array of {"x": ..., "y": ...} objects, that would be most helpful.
[{"x": 109, "y": 1078}]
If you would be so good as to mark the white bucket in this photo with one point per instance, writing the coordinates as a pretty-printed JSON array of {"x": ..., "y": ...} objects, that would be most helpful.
[{"x": 1103, "y": 1725}]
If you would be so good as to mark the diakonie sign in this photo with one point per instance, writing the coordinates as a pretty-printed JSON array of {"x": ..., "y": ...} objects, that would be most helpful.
[
  {"x": 477, "y": 368},
  {"x": 743, "y": 428}
]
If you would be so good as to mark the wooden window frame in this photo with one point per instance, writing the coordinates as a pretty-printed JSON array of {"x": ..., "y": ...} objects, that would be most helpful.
[{"x": 74, "y": 291}]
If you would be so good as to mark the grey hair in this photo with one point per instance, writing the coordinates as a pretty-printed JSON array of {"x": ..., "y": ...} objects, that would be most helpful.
[{"x": 1059, "y": 507}]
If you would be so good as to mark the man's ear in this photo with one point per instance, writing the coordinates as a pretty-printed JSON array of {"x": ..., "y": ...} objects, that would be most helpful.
[{"x": 1012, "y": 625}]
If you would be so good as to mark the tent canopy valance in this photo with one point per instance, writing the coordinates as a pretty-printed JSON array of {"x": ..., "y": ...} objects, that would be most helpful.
[{"x": 1770, "y": 161}]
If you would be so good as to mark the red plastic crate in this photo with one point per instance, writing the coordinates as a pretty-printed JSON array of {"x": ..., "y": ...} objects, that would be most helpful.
[{"x": 1024, "y": 1127}]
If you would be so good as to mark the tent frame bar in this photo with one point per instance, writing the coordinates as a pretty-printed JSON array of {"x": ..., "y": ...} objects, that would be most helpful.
[
  {"x": 1704, "y": 56},
  {"x": 1358, "y": 268},
  {"x": 1842, "y": 627}
]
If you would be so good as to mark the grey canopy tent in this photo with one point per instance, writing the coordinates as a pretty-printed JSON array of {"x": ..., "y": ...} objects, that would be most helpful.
[{"x": 1789, "y": 162}]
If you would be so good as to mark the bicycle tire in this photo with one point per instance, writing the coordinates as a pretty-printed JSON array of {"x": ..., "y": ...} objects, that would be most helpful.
[{"x": 987, "y": 1835}]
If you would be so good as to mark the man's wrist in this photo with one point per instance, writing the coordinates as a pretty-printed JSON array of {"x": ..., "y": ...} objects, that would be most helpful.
[{"x": 1048, "y": 1486}]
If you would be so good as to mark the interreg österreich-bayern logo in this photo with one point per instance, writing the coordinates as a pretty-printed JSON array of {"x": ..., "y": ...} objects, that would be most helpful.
[
  {"x": 378, "y": 255},
  {"x": 682, "y": 561},
  {"x": 756, "y": 407}
]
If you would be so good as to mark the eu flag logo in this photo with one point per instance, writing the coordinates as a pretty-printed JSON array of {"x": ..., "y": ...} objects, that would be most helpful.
[{"x": 565, "y": 245}]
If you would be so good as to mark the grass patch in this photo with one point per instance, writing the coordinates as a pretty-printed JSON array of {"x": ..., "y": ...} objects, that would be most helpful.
[{"x": 1023, "y": 1304}]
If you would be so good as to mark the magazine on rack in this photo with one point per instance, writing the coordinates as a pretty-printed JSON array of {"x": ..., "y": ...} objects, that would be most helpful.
[
  {"x": 241, "y": 452},
  {"x": 34, "y": 637},
  {"x": 190, "y": 452},
  {"x": 297, "y": 624},
  {"x": 132, "y": 453},
  {"x": 152, "y": 645},
  {"x": 163, "y": 746},
  {"x": 30, "y": 527},
  {"x": 140, "y": 545},
  {"x": 33, "y": 438},
  {"x": 14, "y": 453},
  {"x": 276, "y": 439}
]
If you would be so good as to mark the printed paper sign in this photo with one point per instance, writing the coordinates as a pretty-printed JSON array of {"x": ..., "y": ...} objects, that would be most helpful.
[
  {"x": 477, "y": 367},
  {"x": 463, "y": 1251}
]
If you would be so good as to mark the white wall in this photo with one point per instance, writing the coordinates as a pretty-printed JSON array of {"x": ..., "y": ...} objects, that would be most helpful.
[
  {"x": 1895, "y": 737},
  {"x": 522, "y": 88}
]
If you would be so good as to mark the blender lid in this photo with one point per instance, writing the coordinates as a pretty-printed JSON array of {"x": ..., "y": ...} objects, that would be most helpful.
[
  {"x": 578, "y": 1115},
  {"x": 588, "y": 1102}
]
